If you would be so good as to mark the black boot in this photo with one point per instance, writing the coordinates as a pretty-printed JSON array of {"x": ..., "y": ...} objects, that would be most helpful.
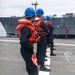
[
  {"x": 45, "y": 55},
  {"x": 45, "y": 59},
  {"x": 52, "y": 54},
  {"x": 43, "y": 68},
  {"x": 54, "y": 49}
]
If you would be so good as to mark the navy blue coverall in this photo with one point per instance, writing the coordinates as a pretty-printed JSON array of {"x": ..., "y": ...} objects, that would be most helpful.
[
  {"x": 50, "y": 37},
  {"x": 42, "y": 45},
  {"x": 27, "y": 51}
]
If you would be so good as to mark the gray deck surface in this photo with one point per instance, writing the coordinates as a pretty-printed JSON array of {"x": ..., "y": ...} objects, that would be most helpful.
[{"x": 11, "y": 62}]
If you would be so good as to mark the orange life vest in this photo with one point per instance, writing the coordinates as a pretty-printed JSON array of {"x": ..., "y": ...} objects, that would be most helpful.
[
  {"x": 23, "y": 23},
  {"x": 38, "y": 27},
  {"x": 48, "y": 23}
]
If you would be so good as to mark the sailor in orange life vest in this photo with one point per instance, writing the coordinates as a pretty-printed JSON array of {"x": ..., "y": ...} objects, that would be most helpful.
[
  {"x": 42, "y": 30},
  {"x": 27, "y": 37},
  {"x": 50, "y": 35}
]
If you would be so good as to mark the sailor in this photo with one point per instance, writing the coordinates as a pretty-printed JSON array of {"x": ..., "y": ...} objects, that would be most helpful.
[
  {"x": 66, "y": 32},
  {"x": 42, "y": 31},
  {"x": 50, "y": 36},
  {"x": 27, "y": 37}
]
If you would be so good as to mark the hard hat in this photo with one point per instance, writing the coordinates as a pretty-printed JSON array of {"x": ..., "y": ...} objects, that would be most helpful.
[
  {"x": 48, "y": 18},
  {"x": 39, "y": 11},
  {"x": 30, "y": 12},
  {"x": 44, "y": 18}
]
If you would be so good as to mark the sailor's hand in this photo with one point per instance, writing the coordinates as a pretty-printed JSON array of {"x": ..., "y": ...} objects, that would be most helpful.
[{"x": 38, "y": 39}]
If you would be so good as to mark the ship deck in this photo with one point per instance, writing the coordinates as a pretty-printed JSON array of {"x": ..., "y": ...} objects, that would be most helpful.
[{"x": 11, "y": 62}]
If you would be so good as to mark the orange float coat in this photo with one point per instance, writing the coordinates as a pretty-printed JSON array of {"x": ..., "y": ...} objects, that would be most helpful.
[
  {"x": 23, "y": 23},
  {"x": 38, "y": 27},
  {"x": 48, "y": 23}
]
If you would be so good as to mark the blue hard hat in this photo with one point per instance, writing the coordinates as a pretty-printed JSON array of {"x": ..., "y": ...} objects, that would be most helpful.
[
  {"x": 30, "y": 12},
  {"x": 48, "y": 18},
  {"x": 39, "y": 11},
  {"x": 44, "y": 18}
]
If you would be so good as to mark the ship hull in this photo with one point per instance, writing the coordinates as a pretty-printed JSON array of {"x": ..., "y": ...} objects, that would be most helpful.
[{"x": 60, "y": 25}]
